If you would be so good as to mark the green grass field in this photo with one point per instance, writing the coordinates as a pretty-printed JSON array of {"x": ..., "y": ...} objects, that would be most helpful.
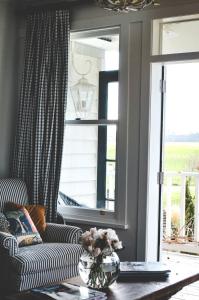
[{"x": 180, "y": 157}]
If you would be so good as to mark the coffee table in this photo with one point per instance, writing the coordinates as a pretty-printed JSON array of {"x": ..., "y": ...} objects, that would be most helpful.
[{"x": 132, "y": 290}]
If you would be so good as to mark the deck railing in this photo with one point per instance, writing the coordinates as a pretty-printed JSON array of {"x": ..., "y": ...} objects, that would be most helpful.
[{"x": 168, "y": 191}]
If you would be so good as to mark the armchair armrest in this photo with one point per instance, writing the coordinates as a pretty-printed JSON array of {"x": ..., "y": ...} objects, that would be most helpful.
[
  {"x": 60, "y": 233},
  {"x": 8, "y": 243}
]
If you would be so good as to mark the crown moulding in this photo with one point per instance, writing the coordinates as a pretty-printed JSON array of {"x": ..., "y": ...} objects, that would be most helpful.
[
  {"x": 57, "y": 1},
  {"x": 28, "y": 4}
]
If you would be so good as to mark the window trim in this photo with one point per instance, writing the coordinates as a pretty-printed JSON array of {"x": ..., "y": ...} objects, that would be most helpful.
[
  {"x": 105, "y": 77},
  {"x": 99, "y": 216},
  {"x": 118, "y": 218},
  {"x": 157, "y": 34},
  {"x": 90, "y": 216}
]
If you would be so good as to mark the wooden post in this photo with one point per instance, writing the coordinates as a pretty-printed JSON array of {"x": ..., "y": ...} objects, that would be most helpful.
[
  {"x": 196, "y": 215},
  {"x": 182, "y": 205},
  {"x": 168, "y": 206}
]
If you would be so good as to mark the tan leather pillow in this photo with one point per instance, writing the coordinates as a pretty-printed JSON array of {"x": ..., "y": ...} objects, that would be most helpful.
[{"x": 36, "y": 212}]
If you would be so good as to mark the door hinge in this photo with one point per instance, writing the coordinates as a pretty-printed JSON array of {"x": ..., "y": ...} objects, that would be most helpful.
[
  {"x": 160, "y": 178},
  {"x": 163, "y": 86}
]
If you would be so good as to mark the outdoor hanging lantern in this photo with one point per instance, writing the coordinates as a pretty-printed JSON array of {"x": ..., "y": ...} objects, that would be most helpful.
[{"x": 82, "y": 94}]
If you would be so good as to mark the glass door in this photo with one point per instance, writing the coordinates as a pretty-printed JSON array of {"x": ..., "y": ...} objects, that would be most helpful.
[{"x": 179, "y": 191}]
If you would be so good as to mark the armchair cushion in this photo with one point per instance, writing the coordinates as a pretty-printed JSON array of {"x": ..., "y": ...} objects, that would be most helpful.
[
  {"x": 45, "y": 257},
  {"x": 8, "y": 243},
  {"x": 36, "y": 212},
  {"x": 59, "y": 233},
  {"x": 22, "y": 227}
]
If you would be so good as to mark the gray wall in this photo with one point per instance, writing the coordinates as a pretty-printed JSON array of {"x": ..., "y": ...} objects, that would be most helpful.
[{"x": 7, "y": 83}]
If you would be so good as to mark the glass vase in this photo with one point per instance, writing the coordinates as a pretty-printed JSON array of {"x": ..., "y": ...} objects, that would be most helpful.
[{"x": 99, "y": 272}]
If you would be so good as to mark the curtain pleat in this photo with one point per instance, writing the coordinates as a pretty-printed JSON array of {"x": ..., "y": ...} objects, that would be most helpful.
[{"x": 40, "y": 130}]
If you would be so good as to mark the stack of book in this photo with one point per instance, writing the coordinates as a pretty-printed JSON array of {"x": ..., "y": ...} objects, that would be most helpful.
[
  {"x": 66, "y": 291},
  {"x": 143, "y": 270}
]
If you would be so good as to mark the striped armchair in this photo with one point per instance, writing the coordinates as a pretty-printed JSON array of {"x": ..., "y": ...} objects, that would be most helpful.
[{"x": 55, "y": 260}]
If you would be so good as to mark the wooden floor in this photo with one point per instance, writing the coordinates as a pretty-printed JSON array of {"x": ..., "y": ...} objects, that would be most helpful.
[{"x": 190, "y": 292}]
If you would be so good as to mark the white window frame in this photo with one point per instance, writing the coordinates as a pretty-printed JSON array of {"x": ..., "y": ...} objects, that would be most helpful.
[
  {"x": 157, "y": 27},
  {"x": 118, "y": 218},
  {"x": 156, "y": 61}
]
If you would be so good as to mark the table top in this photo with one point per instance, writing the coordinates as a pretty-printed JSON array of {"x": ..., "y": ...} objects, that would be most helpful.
[
  {"x": 131, "y": 290},
  {"x": 150, "y": 290}
]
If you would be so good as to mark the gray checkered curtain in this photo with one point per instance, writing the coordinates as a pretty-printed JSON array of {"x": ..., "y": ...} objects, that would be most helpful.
[{"x": 39, "y": 136}]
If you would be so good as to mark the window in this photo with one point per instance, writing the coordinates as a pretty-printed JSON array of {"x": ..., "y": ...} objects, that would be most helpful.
[
  {"x": 176, "y": 35},
  {"x": 108, "y": 109},
  {"x": 89, "y": 164}
]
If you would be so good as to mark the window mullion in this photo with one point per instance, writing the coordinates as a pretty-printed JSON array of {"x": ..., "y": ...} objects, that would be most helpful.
[{"x": 99, "y": 122}]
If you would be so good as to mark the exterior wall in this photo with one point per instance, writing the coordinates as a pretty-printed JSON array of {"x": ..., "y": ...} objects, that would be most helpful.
[
  {"x": 7, "y": 83},
  {"x": 79, "y": 164}
]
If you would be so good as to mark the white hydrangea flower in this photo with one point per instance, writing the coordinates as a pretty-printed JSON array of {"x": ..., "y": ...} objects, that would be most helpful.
[
  {"x": 117, "y": 245},
  {"x": 101, "y": 241},
  {"x": 111, "y": 234}
]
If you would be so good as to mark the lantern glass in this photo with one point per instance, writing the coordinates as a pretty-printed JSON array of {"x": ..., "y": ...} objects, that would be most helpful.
[{"x": 83, "y": 94}]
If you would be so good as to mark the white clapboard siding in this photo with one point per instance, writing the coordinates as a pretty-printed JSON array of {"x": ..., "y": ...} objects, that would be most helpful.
[
  {"x": 75, "y": 161},
  {"x": 78, "y": 175},
  {"x": 79, "y": 164},
  {"x": 89, "y": 198},
  {"x": 78, "y": 188},
  {"x": 78, "y": 132},
  {"x": 81, "y": 190},
  {"x": 80, "y": 147}
]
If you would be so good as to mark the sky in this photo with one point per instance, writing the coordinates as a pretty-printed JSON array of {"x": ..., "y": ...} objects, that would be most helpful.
[
  {"x": 182, "y": 98},
  {"x": 182, "y": 95}
]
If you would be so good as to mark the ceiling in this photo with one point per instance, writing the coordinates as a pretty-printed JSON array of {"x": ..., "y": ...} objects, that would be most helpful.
[
  {"x": 33, "y": 3},
  {"x": 55, "y": 1},
  {"x": 44, "y": 1}
]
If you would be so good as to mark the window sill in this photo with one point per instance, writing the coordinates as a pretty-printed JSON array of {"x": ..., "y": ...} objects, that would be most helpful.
[
  {"x": 92, "y": 217},
  {"x": 95, "y": 223}
]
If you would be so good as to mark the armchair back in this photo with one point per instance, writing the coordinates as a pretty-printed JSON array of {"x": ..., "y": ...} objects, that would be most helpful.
[{"x": 14, "y": 190}]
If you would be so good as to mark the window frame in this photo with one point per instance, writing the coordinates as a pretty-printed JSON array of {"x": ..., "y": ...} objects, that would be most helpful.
[
  {"x": 118, "y": 218},
  {"x": 105, "y": 77},
  {"x": 157, "y": 61},
  {"x": 157, "y": 34}
]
